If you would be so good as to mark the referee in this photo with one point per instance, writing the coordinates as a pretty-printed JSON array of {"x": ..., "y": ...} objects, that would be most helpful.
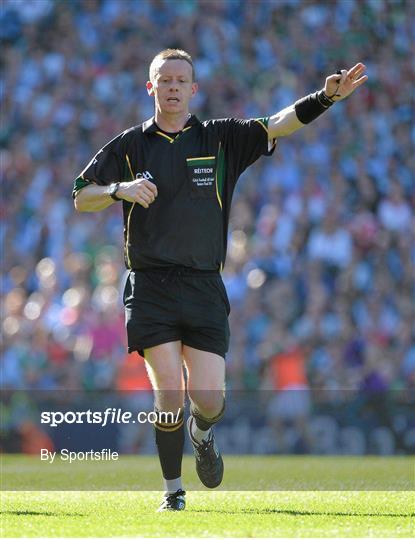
[{"x": 175, "y": 177}]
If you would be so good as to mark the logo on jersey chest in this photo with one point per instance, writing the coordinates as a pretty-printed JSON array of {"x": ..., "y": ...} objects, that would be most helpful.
[
  {"x": 145, "y": 174},
  {"x": 201, "y": 174}
]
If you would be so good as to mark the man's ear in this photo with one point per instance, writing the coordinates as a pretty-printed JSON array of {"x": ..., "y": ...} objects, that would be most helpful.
[
  {"x": 195, "y": 88},
  {"x": 149, "y": 87}
]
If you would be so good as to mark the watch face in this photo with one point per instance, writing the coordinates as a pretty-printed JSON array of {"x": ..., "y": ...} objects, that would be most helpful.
[{"x": 113, "y": 191}]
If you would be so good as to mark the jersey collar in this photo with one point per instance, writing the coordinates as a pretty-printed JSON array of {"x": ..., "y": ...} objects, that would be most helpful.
[{"x": 150, "y": 126}]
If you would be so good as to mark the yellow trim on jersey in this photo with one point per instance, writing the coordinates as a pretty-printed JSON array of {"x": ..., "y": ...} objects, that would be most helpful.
[
  {"x": 127, "y": 240},
  {"x": 217, "y": 191},
  {"x": 262, "y": 124},
  {"x": 129, "y": 166},
  {"x": 216, "y": 182},
  {"x": 170, "y": 139},
  {"x": 199, "y": 158}
]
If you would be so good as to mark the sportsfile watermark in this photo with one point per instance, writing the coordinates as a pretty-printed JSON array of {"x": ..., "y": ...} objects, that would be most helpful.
[
  {"x": 111, "y": 415},
  {"x": 106, "y": 454},
  {"x": 105, "y": 440}
]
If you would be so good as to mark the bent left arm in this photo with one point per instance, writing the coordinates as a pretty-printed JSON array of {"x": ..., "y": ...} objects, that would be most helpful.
[{"x": 336, "y": 88}]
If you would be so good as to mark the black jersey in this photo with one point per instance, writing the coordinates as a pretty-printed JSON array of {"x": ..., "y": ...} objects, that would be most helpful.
[{"x": 195, "y": 173}]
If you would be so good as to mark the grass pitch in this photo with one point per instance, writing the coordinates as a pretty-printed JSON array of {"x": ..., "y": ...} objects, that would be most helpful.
[
  {"x": 242, "y": 473},
  {"x": 209, "y": 513},
  {"x": 220, "y": 514}
]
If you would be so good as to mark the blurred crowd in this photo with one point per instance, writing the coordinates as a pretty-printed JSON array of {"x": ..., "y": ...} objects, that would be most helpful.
[{"x": 321, "y": 263}]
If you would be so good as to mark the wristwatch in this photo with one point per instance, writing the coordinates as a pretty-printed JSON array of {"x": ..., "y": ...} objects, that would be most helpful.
[{"x": 113, "y": 191}]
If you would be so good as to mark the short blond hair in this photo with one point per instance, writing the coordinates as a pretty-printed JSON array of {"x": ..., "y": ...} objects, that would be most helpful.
[{"x": 171, "y": 54}]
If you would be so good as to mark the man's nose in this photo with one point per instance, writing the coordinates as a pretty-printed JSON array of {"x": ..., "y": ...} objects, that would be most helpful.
[{"x": 174, "y": 86}]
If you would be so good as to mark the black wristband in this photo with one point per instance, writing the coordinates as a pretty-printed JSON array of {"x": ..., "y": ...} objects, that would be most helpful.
[
  {"x": 310, "y": 107},
  {"x": 113, "y": 191}
]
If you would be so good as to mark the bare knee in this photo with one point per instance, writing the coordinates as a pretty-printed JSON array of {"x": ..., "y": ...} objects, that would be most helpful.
[
  {"x": 209, "y": 403},
  {"x": 168, "y": 391},
  {"x": 165, "y": 370}
]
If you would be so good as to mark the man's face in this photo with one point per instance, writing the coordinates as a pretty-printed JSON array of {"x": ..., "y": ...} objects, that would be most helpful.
[{"x": 172, "y": 86}]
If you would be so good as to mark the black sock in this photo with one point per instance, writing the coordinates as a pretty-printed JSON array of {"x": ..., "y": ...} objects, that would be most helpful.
[{"x": 170, "y": 443}]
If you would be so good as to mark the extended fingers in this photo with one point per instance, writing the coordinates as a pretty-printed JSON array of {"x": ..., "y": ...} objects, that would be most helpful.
[
  {"x": 360, "y": 81},
  {"x": 344, "y": 82},
  {"x": 356, "y": 71},
  {"x": 356, "y": 75}
]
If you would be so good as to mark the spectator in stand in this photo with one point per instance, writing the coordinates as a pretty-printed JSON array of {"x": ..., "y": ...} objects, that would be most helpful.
[
  {"x": 331, "y": 243},
  {"x": 395, "y": 213},
  {"x": 290, "y": 405}
]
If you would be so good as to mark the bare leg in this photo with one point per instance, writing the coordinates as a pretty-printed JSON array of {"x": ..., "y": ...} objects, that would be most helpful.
[
  {"x": 165, "y": 369},
  {"x": 206, "y": 380}
]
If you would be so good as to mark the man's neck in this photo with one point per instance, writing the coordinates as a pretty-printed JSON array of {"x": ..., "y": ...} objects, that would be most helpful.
[{"x": 171, "y": 123}]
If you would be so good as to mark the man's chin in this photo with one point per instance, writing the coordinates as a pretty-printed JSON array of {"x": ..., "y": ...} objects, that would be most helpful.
[{"x": 176, "y": 108}]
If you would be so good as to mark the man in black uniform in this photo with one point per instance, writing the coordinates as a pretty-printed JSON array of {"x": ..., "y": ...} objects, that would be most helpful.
[{"x": 175, "y": 177}]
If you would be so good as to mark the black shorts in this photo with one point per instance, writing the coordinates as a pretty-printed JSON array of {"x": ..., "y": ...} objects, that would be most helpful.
[{"x": 176, "y": 304}]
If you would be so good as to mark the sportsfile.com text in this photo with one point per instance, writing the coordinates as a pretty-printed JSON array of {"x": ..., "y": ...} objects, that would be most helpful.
[{"x": 111, "y": 415}]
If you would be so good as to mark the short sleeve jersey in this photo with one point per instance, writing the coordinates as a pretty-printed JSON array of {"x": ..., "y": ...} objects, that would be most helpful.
[{"x": 195, "y": 173}]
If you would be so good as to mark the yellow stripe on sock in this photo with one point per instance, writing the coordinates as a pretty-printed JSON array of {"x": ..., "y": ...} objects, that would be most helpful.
[{"x": 175, "y": 427}]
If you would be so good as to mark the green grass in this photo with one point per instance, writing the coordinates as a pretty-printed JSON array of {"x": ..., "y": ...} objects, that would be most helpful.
[
  {"x": 249, "y": 513},
  {"x": 266, "y": 473},
  {"x": 243, "y": 514}
]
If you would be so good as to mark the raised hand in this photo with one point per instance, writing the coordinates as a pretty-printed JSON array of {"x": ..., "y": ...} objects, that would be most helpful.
[{"x": 339, "y": 86}]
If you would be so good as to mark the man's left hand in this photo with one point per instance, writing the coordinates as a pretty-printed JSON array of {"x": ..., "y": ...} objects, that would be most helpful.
[{"x": 338, "y": 87}]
